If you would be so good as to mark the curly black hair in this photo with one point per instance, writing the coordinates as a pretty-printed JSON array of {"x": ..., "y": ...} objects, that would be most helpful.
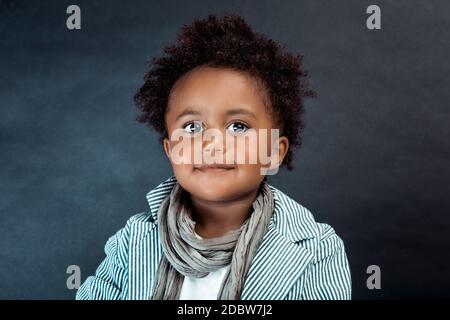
[{"x": 229, "y": 42}]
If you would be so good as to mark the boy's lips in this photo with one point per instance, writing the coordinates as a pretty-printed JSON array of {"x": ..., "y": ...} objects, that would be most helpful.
[{"x": 215, "y": 167}]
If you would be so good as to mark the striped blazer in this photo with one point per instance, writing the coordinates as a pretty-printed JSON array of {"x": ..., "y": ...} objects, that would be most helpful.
[{"x": 298, "y": 258}]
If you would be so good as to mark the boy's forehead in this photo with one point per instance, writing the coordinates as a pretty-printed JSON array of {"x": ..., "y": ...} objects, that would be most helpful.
[
  {"x": 213, "y": 81},
  {"x": 208, "y": 87}
]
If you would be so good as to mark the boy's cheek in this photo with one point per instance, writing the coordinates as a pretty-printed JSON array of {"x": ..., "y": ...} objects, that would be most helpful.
[
  {"x": 183, "y": 172},
  {"x": 254, "y": 152},
  {"x": 183, "y": 152}
]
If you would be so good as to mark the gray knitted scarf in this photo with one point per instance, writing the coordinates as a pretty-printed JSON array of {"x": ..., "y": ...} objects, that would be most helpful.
[{"x": 187, "y": 255}]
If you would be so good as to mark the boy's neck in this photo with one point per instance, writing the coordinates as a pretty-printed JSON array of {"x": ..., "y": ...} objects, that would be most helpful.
[{"x": 215, "y": 218}]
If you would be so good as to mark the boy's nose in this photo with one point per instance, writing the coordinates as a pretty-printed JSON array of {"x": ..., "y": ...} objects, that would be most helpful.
[
  {"x": 214, "y": 142},
  {"x": 213, "y": 147}
]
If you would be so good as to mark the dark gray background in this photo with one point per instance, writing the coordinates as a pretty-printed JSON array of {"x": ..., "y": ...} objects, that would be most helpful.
[{"x": 374, "y": 165}]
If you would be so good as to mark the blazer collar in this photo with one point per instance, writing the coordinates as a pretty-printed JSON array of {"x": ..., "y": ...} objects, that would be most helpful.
[{"x": 289, "y": 219}]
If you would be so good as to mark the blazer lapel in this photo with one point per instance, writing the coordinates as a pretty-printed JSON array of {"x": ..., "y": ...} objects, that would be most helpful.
[
  {"x": 276, "y": 266},
  {"x": 145, "y": 253},
  {"x": 281, "y": 258},
  {"x": 145, "y": 247}
]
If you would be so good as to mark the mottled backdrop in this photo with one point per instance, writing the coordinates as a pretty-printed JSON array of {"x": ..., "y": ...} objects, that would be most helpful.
[{"x": 375, "y": 161}]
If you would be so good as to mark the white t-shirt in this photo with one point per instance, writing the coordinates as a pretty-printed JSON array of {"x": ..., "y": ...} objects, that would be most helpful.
[{"x": 206, "y": 288}]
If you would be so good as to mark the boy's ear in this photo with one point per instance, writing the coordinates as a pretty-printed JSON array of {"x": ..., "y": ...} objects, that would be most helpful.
[
  {"x": 166, "y": 146},
  {"x": 279, "y": 150},
  {"x": 281, "y": 146}
]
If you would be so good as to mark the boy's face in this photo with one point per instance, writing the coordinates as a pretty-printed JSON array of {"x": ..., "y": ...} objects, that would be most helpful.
[{"x": 214, "y": 121}]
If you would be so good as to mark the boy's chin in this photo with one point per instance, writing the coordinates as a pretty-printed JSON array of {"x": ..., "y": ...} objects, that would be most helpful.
[
  {"x": 220, "y": 187},
  {"x": 222, "y": 191}
]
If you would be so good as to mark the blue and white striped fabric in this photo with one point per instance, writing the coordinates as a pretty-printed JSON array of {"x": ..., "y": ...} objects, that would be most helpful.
[{"x": 298, "y": 259}]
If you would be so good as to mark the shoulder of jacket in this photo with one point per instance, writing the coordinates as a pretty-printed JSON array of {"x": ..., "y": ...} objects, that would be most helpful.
[
  {"x": 294, "y": 220},
  {"x": 330, "y": 243},
  {"x": 118, "y": 244},
  {"x": 123, "y": 233},
  {"x": 144, "y": 216}
]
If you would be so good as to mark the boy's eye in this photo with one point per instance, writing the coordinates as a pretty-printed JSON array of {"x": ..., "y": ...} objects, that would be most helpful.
[
  {"x": 193, "y": 127},
  {"x": 237, "y": 127}
]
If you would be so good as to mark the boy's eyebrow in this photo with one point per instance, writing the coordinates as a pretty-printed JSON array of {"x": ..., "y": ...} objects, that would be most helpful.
[
  {"x": 188, "y": 112},
  {"x": 241, "y": 111},
  {"x": 193, "y": 112}
]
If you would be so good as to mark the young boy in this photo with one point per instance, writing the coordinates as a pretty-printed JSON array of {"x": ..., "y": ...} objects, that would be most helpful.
[{"x": 217, "y": 229}]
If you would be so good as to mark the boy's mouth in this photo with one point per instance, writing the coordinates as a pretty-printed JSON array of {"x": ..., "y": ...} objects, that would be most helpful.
[{"x": 215, "y": 167}]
